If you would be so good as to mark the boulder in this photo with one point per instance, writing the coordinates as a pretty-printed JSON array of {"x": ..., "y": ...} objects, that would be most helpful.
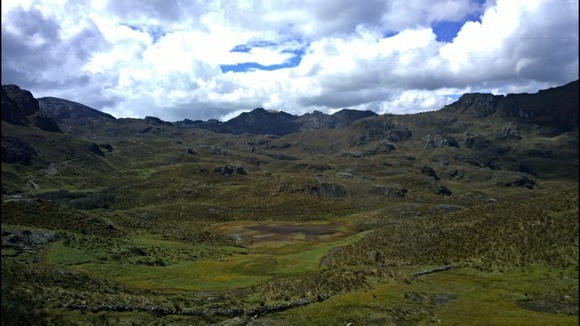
[
  {"x": 440, "y": 189},
  {"x": 452, "y": 172},
  {"x": 476, "y": 142},
  {"x": 227, "y": 170},
  {"x": 522, "y": 180},
  {"x": 438, "y": 140},
  {"x": 428, "y": 171},
  {"x": 389, "y": 191},
  {"x": 190, "y": 151},
  {"x": 328, "y": 189},
  {"x": 509, "y": 132},
  {"x": 95, "y": 149}
]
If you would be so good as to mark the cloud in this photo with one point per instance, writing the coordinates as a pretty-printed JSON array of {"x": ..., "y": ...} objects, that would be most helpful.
[{"x": 206, "y": 59}]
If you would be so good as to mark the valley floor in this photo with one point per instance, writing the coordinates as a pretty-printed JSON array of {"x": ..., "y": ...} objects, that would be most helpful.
[{"x": 296, "y": 273}]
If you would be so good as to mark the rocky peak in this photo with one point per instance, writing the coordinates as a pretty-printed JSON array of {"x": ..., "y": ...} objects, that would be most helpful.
[
  {"x": 348, "y": 116},
  {"x": 260, "y": 121},
  {"x": 19, "y": 107},
  {"x": 62, "y": 110},
  {"x": 475, "y": 104},
  {"x": 557, "y": 107},
  {"x": 156, "y": 121},
  {"x": 318, "y": 120}
]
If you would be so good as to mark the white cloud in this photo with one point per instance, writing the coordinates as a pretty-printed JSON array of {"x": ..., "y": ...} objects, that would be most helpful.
[
  {"x": 164, "y": 58},
  {"x": 404, "y": 14}
]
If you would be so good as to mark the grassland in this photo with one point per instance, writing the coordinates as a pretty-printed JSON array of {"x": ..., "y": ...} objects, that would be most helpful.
[
  {"x": 366, "y": 275},
  {"x": 325, "y": 227}
]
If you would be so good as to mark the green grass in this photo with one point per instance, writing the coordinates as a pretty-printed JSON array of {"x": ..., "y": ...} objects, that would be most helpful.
[
  {"x": 59, "y": 254},
  {"x": 215, "y": 268},
  {"x": 158, "y": 242},
  {"x": 473, "y": 298}
]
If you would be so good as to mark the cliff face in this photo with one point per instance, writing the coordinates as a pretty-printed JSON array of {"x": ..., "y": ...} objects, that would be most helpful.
[
  {"x": 556, "y": 106},
  {"x": 477, "y": 105},
  {"x": 19, "y": 107}
]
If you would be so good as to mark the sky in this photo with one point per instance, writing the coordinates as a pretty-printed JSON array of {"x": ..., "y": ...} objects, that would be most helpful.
[{"x": 214, "y": 59}]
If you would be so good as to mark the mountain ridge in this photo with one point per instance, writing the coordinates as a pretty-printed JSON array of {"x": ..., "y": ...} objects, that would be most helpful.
[
  {"x": 556, "y": 105},
  {"x": 140, "y": 221}
]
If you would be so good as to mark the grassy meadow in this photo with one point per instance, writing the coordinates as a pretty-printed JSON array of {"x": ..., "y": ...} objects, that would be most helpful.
[{"x": 323, "y": 227}]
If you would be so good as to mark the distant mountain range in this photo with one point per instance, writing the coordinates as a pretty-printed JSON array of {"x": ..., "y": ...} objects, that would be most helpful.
[
  {"x": 556, "y": 106},
  {"x": 260, "y": 121},
  {"x": 535, "y": 133},
  {"x": 140, "y": 221}
]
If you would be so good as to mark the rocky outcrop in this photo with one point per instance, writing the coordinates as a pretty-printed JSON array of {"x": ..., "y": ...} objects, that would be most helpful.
[
  {"x": 189, "y": 151},
  {"x": 381, "y": 147},
  {"x": 522, "y": 180},
  {"x": 433, "y": 270},
  {"x": 326, "y": 189},
  {"x": 379, "y": 128},
  {"x": 157, "y": 121},
  {"x": 509, "y": 131},
  {"x": 229, "y": 170},
  {"x": 440, "y": 190},
  {"x": 329, "y": 189},
  {"x": 347, "y": 117},
  {"x": 64, "y": 110},
  {"x": 318, "y": 120},
  {"x": 477, "y": 105},
  {"x": 95, "y": 149},
  {"x": 225, "y": 312},
  {"x": 476, "y": 142},
  {"x": 19, "y": 107},
  {"x": 438, "y": 140},
  {"x": 15, "y": 150},
  {"x": 392, "y": 191},
  {"x": 428, "y": 171},
  {"x": 555, "y": 107},
  {"x": 27, "y": 240}
]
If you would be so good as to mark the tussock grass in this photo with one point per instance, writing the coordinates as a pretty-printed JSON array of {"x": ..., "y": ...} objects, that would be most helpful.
[
  {"x": 492, "y": 237},
  {"x": 140, "y": 226},
  {"x": 461, "y": 296}
]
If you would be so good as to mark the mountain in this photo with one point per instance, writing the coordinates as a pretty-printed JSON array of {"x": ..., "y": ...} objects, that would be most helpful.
[
  {"x": 19, "y": 107},
  {"x": 277, "y": 219},
  {"x": 261, "y": 121},
  {"x": 555, "y": 108}
]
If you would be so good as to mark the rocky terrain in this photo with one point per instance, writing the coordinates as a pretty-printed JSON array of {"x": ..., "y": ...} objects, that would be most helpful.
[{"x": 272, "y": 218}]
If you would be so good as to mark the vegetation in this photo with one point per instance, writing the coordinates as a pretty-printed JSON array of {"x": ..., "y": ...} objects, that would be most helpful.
[{"x": 136, "y": 221}]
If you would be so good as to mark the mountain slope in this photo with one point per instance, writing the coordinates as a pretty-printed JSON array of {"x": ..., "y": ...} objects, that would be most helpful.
[{"x": 278, "y": 219}]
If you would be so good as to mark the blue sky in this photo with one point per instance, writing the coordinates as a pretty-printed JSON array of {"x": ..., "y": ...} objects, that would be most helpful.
[
  {"x": 447, "y": 30},
  {"x": 210, "y": 59},
  {"x": 291, "y": 62}
]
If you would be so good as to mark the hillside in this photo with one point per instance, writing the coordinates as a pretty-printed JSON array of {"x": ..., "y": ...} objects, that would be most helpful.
[{"x": 272, "y": 218}]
